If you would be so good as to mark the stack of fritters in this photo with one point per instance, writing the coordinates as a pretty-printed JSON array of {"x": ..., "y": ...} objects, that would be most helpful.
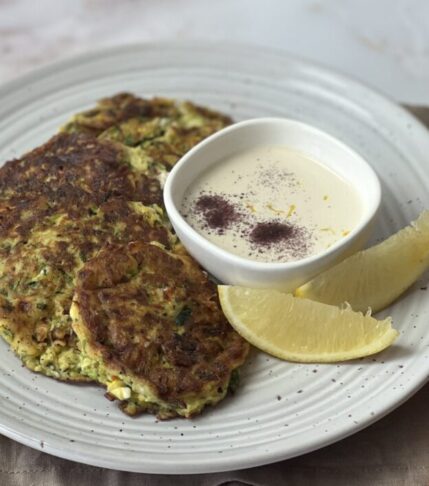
[{"x": 97, "y": 184}]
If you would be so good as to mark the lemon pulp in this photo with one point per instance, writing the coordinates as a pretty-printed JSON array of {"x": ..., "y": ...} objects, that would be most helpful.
[
  {"x": 302, "y": 330},
  {"x": 376, "y": 277}
]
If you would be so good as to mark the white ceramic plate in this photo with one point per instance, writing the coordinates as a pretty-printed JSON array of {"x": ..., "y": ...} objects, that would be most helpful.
[{"x": 282, "y": 409}]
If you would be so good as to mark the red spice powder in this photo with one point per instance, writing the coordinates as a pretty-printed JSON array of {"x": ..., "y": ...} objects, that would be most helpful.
[
  {"x": 271, "y": 232},
  {"x": 218, "y": 212}
]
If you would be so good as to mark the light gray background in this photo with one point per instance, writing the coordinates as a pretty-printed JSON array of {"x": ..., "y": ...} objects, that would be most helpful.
[{"x": 382, "y": 42}]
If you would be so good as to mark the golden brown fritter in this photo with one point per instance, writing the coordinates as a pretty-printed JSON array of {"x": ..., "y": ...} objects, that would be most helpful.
[
  {"x": 38, "y": 273},
  {"x": 90, "y": 186},
  {"x": 161, "y": 130},
  {"x": 151, "y": 329},
  {"x": 68, "y": 171},
  {"x": 122, "y": 107}
]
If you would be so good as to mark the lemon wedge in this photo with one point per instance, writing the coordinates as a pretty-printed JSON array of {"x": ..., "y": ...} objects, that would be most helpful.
[
  {"x": 303, "y": 330},
  {"x": 377, "y": 276}
]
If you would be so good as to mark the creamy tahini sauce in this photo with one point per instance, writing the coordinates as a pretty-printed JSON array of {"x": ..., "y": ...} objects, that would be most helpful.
[{"x": 271, "y": 204}]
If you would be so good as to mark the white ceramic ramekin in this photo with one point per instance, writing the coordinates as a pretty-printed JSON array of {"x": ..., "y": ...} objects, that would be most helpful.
[{"x": 327, "y": 150}]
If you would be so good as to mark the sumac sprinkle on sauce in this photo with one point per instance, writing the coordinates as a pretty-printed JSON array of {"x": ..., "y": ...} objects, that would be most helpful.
[
  {"x": 270, "y": 233},
  {"x": 218, "y": 213},
  {"x": 270, "y": 203}
]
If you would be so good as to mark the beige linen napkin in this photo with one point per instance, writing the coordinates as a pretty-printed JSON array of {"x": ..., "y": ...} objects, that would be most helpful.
[{"x": 392, "y": 452}]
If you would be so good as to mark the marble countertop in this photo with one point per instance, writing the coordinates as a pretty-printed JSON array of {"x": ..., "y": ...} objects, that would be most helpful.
[{"x": 384, "y": 43}]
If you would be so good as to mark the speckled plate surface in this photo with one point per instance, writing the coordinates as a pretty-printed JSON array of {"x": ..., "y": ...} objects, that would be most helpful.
[{"x": 282, "y": 409}]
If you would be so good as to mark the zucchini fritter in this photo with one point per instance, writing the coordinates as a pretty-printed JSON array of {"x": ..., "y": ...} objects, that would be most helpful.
[
  {"x": 38, "y": 268},
  {"x": 68, "y": 171},
  {"x": 151, "y": 330},
  {"x": 113, "y": 111},
  {"x": 161, "y": 130},
  {"x": 99, "y": 183}
]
